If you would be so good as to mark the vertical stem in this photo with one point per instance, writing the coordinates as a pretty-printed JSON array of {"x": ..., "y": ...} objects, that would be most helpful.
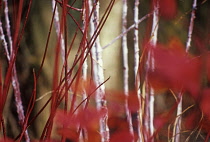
[
  {"x": 58, "y": 31},
  {"x": 4, "y": 42},
  {"x": 98, "y": 74},
  {"x": 136, "y": 65},
  {"x": 125, "y": 47},
  {"x": 125, "y": 63},
  {"x": 18, "y": 101},
  {"x": 83, "y": 132},
  {"x": 15, "y": 82},
  {"x": 188, "y": 44},
  {"x": 60, "y": 47},
  {"x": 155, "y": 24},
  {"x": 151, "y": 64},
  {"x": 178, "y": 120},
  {"x": 6, "y": 10},
  {"x": 154, "y": 43},
  {"x": 136, "y": 42},
  {"x": 60, "y": 37},
  {"x": 85, "y": 26}
]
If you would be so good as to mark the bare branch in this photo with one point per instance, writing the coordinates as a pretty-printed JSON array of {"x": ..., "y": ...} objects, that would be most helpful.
[{"x": 126, "y": 31}]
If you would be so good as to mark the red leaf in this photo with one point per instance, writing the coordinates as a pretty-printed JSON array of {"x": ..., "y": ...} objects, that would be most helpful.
[
  {"x": 192, "y": 120},
  {"x": 205, "y": 124},
  {"x": 94, "y": 136},
  {"x": 133, "y": 102},
  {"x": 117, "y": 123},
  {"x": 116, "y": 102},
  {"x": 69, "y": 134},
  {"x": 85, "y": 118},
  {"x": 122, "y": 136},
  {"x": 89, "y": 118},
  {"x": 82, "y": 86},
  {"x": 168, "y": 9},
  {"x": 160, "y": 121},
  {"x": 66, "y": 119},
  {"x": 174, "y": 70},
  {"x": 208, "y": 66},
  {"x": 204, "y": 103},
  {"x": 6, "y": 140}
]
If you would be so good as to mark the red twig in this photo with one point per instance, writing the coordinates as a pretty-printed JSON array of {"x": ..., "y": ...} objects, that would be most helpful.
[{"x": 71, "y": 7}]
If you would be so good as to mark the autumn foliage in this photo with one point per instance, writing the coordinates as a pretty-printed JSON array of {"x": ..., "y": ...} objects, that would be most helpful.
[
  {"x": 168, "y": 9},
  {"x": 175, "y": 69}
]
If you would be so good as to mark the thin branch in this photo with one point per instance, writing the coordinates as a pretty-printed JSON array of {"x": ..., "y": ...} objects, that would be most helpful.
[
  {"x": 136, "y": 41},
  {"x": 8, "y": 27},
  {"x": 136, "y": 67},
  {"x": 98, "y": 72},
  {"x": 85, "y": 28},
  {"x": 83, "y": 132},
  {"x": 127, "y": 30},
  {"x": 151, "y": 65},
  {"x": 71, "y": 7},
  {"x": 58, "y": 30},
  {"x": 15, "y": 82},
  {"x": 125, "y": 48},
  {"x": 125, "y": 64},
  {"x": 188, "y": 44},
  {"x": 178, "y": 120},
  {"x": 177, "y": 123}
]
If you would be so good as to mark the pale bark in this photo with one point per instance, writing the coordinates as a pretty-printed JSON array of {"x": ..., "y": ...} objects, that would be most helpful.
[
  {"x": 58, "y": 30},
  {"x": 178, "y": 120},
  {"x": 151, "y": 65},
  {"x": 127, "y": 30},
  {"x": 98, "y": 72},
  {"x": 125, "y": 64}
]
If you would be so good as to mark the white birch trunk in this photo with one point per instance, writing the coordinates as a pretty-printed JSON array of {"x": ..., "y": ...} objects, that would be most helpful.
[
  {"x": 125, "y": 64},
  {"x": 136, "y": 66},
  {"x": 98, "y": 73},
  {"x": 151, "y": 65},
  {"x": 178, "y": 120}
]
